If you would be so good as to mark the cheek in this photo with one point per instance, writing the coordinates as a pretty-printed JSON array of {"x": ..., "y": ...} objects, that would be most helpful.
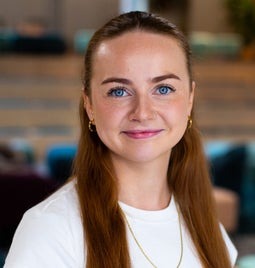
[
  {"x": 186, "y": 104},
  {"x": 106, "y": 115},
  {"x": 178, "y": 111}
]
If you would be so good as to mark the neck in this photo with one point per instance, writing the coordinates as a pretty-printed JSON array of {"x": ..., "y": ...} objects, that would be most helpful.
[{"x": 143, "y": 185}]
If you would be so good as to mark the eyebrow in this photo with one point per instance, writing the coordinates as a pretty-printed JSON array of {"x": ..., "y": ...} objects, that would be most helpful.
[
  {"x": 164, "y": 77},
  {"x": 117, "y": 80},
  {"x": 129, "y": 82}
]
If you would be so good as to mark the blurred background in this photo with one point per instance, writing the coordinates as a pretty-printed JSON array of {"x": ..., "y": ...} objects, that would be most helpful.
[{"x": 41, "y": 61}]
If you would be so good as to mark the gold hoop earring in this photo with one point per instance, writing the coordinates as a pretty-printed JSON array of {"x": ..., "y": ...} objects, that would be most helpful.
[
  {"x": 91, "y": 124},
  {"x": 190, "y": 122}
]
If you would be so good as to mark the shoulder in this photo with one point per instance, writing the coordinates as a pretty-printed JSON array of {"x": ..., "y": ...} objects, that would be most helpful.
[
  {"x": 61, "y": 208},
  {"x": 63, "y": 201},
  {"x": 232, "y": 251},
  {"x": 51, "y": 230}
]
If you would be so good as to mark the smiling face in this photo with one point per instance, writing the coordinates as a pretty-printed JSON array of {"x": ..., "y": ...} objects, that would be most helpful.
[{"x": 140, "y": 95}]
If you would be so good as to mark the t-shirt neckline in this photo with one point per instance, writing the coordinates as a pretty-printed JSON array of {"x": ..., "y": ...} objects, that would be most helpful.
[{"x": 165, "y": 214}]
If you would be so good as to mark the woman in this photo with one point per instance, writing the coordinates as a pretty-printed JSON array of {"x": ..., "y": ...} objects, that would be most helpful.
[{"x": 141, "y": 194}]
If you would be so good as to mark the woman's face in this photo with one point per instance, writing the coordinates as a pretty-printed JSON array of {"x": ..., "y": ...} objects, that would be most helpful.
[{"x": 140, "y": 95}]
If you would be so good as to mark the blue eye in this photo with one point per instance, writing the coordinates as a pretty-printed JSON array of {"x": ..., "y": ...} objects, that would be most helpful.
[
  {"x": 118, "y": 92},
  {"x": 164, "y": 90}
]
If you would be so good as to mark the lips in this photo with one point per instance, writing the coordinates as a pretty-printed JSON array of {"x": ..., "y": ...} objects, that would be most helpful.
[{"x": 142, "y": 134}]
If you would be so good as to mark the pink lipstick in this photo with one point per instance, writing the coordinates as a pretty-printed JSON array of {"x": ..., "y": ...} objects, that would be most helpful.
[{"x": 142, "y": 134}]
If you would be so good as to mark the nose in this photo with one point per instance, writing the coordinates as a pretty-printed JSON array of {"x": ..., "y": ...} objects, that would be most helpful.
[{"x": 143, "y": 109}]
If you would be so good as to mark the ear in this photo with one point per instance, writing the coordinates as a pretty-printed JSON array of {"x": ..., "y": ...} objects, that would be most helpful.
[
  {"x": 191, "y": 96},
  {"x": 87, "y": 105}
]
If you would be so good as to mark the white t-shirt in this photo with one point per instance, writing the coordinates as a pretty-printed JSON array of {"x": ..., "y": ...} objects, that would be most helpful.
[
  {"x": 51, "y": 235},
  {"x": 154, "y": 230}
]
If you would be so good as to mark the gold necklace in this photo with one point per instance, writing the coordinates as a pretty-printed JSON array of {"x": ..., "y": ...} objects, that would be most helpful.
[{"x": 142, "y": 250}]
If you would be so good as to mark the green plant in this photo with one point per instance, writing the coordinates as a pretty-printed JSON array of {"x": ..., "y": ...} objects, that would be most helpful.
[{"x": 242, "y": 17}]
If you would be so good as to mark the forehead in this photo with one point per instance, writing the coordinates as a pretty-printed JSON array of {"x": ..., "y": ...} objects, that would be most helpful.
[
  {"x": 139, "y": 48},
  {"x": 138, "y": 39}
]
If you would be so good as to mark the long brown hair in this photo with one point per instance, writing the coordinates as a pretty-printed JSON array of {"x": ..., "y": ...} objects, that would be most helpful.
[{"x": 104, "y": 227}]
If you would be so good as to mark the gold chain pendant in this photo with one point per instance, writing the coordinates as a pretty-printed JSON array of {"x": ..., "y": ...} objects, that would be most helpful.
[{"x": 142, "y": 250}]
